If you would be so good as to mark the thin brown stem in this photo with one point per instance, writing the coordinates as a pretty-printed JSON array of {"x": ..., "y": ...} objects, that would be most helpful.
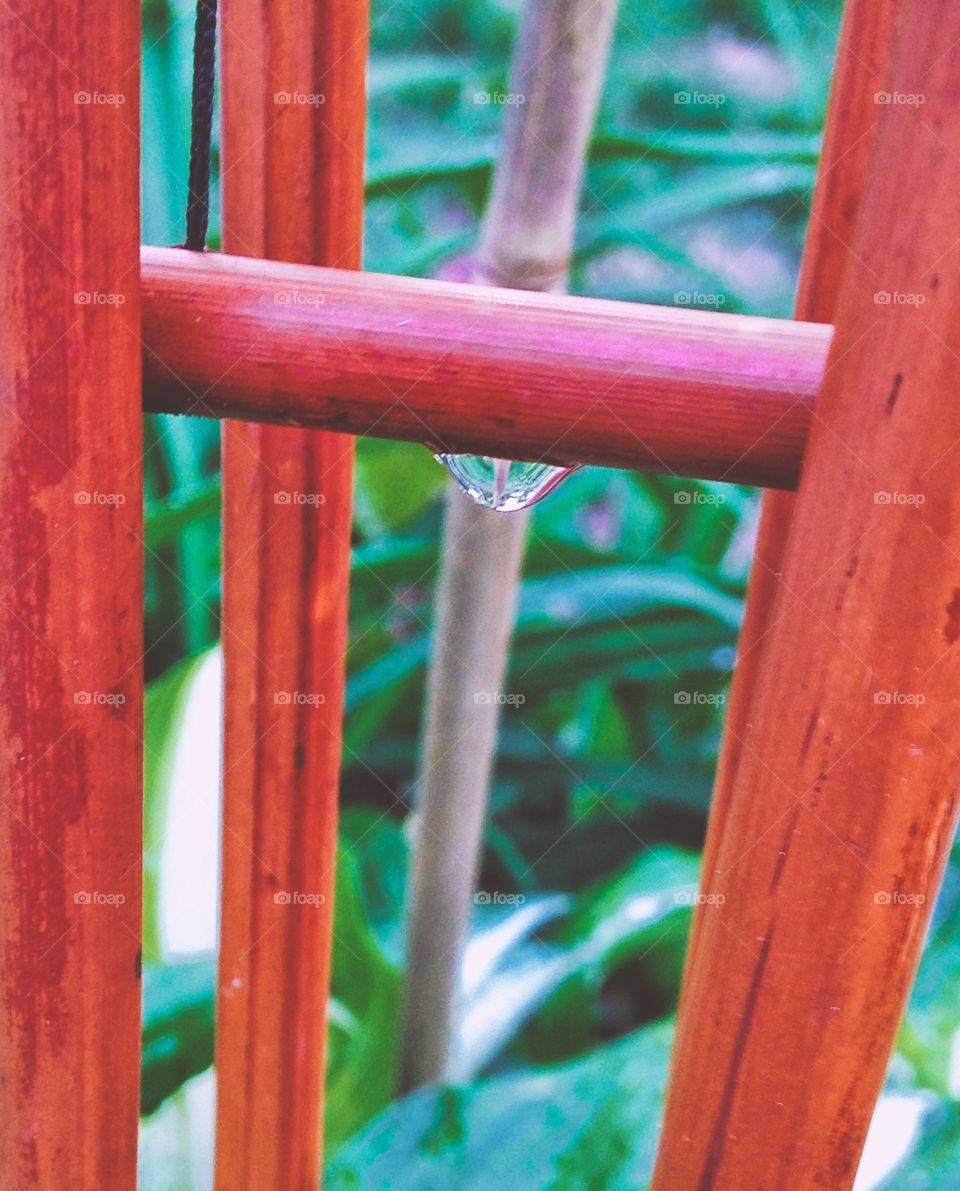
[{"x": 526, "y": 243}]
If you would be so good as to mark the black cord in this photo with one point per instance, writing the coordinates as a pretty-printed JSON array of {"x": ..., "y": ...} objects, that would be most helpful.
[{"x": 204, "y": 70}]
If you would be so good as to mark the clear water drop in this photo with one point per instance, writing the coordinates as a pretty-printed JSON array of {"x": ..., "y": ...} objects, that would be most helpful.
[{"x": 502, "y": 484}]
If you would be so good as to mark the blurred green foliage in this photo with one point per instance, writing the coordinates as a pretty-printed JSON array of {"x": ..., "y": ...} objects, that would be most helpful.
[{"x": 629, "y": 611}]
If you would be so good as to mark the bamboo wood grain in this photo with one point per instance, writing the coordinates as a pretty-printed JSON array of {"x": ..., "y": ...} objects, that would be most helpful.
[
  {"x": 505, "y": 373},
  {"x": 863, "y": 61},
  {"x": 293, "y": 103},
  {"x": 71, "y": 595},
  {"x": 844, "y": 806}
]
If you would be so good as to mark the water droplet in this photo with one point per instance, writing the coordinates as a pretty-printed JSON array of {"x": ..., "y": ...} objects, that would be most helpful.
[{"x": 501, "y": 484}]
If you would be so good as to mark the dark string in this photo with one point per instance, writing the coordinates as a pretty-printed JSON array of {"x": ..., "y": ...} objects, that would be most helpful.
[{"x": 204, "y": 69}]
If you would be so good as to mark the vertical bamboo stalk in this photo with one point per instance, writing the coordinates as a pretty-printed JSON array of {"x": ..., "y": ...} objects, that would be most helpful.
[
  {"x": 71, "y": 685},
  {"x": 526, "y": 243},
  {"x": 293, "y": 141},
  {"x": 843, "y": 806},
  {"x": 863, "y": 62}
]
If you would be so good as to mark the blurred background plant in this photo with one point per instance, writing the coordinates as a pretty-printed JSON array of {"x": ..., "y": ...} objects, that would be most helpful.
[{"x": 701, "y": 169}]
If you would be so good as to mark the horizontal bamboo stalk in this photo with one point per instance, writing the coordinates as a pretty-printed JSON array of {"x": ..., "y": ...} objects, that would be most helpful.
[{"x": 494, "y": 372}]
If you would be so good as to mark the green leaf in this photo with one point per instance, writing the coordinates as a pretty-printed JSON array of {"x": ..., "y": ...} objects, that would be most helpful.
[
  {"x": 507, "y": 977},
  {"x": 640, "y": 917},
  {"x": 705, "y": 191},
  {"x": 364, "y": 1036},
  {"x": 464, "y": 161},
  {"x": 932, "y": 1020},
  {"x": 427, "y": 76},
  {"x": 620, "y": 916},
  {"x": 166, "y": 519},
  {"x": 606, "y": 595},
  {"x": 379, "y": 850},
  {"x": 745, "y": 145},
  {"x": 590, "y": 1125},
  {"x": 178, "y": 1010},
  {"x": 395, "y": 482}
]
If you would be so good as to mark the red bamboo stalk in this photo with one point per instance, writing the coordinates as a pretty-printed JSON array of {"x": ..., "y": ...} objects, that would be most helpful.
[
  {"x": 293, "y": 105},
  {"x": 863, "y": 61},
  {"x": 843, "y": 806},
  {"x": 71, "y": 595},
  {"x": 505, "y": 373}
]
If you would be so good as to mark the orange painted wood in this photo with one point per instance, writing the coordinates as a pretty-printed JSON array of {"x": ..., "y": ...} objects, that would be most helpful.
[
  {"x": 496, "y": 372},
  {"x": 293, "y": 111},
  {"x": 863, "y": 61},
  {"x": 844, "y": 805},
  {"x": 71, "y": 595}
]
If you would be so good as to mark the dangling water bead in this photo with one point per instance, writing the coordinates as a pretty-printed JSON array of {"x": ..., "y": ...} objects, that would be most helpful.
[{"x": 502, "y": 484}]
